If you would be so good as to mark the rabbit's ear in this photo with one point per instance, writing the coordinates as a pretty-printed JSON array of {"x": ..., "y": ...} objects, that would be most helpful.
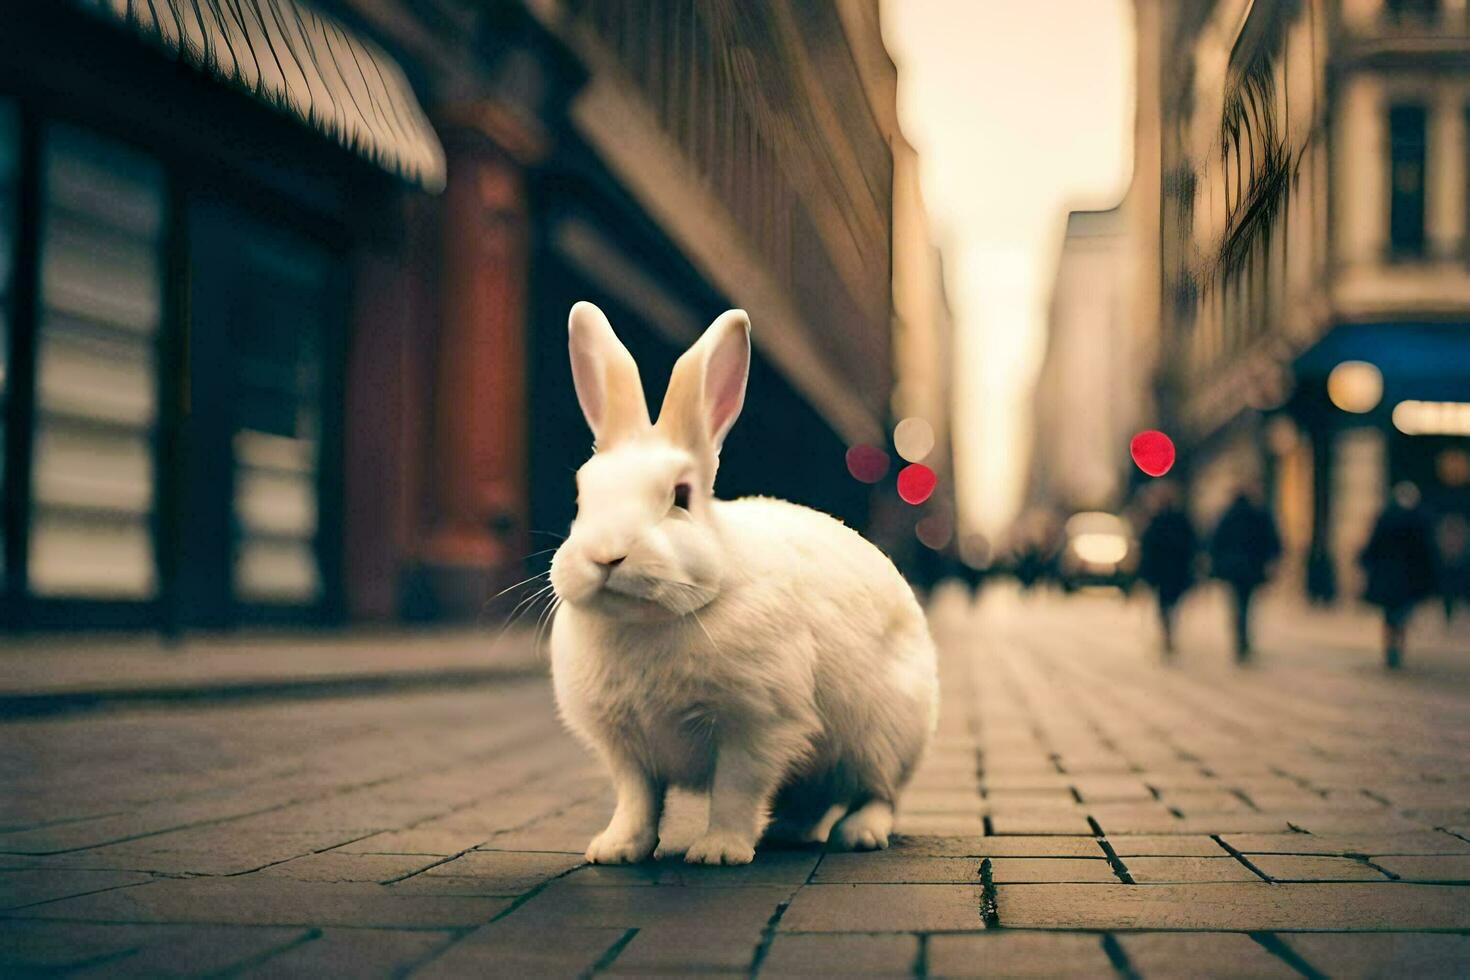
[
  {"x": 606, "y": 378},
  {"x": 707, "y": 388}
]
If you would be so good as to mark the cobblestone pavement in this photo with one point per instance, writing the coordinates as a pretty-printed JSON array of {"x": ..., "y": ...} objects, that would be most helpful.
[{"x": 1086, "y": 810}]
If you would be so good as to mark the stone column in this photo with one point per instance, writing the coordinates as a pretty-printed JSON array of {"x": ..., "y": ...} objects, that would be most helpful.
[
  {"x": 477, "y": 472},
  {"x": 1444, "y": 202},
  {"x": 1360, "y": 178}
]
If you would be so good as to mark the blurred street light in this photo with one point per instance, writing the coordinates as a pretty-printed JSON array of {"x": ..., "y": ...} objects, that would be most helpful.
[
  {"x": 1416, "y": 418},
  {"x": 1355, "y": 386},
  {"x": 913, "y": 438}
]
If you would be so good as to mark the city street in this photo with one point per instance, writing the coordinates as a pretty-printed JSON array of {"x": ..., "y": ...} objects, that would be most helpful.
[{"x": 1086, "y": 810}]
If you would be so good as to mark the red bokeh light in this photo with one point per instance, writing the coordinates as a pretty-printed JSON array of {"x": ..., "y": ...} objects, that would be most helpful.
[
  {"x": 867, "y": 463},
  {"x": 915, "y": 483},
  {"x": 1152, "y": 451}
]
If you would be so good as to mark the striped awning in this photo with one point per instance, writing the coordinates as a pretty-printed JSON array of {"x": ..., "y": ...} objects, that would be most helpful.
[{"x": 292, "y": 57}]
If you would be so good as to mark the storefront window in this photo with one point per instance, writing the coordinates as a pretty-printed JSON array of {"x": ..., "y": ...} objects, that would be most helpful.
[
  {"x": 261, "y": 301},
  {"x": 96, "y": 380}
]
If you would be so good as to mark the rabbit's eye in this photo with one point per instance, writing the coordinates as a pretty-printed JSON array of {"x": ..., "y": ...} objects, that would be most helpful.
[{"x": 681, "y": 496}]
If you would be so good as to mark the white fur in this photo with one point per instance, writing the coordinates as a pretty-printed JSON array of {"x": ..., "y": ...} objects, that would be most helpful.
[{"x": 753, "y": 648}]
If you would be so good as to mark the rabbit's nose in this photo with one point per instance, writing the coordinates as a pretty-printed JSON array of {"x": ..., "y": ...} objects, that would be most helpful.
[{"x": 610, "y": 563}]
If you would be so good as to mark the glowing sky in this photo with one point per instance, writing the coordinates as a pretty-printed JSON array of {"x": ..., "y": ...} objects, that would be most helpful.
[{"x": 1021, "y": 110}]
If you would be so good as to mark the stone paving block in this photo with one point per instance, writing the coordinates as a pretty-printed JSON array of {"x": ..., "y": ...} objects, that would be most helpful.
[
  {"x": 1384, "y": 955},
  {"x": 688, "y": 950},
  {"x": 487, "y": 873},
  {"x": 1018, "y": 954},
  {"x": 340, "y": 866},
  {"x": 501, "y": 949},
  {"x": 435, "y": 842},
  {"x": 568, "y": 830},
  {"x": 928, "y": 824},
  {"x": 1424, "y": 842},
  {"x": 561, "y": 904},
  {"x": 1284, "y": 802},
  {"x": 916, "y": 800},
  {"x": 1449, "y": 869},
  {"x": 888, "y": 867},
  {"x": 838, "y": 954},
  {"x": 1016, "y": 870},
  {"x": 1182, "y": 870},
  {"x": 770, "y": 867},
  {"x": 1354, "y": 822},
  {"x": 1190, "y": 777},
  {"x": 1232, "y": 823},
  {"x": 193, "y": 952},
  {"x": 1188, "y": 954},
  {"x": 1042, "y": 780},
  {"x": 40, "y": 948},
  {"x": 1039, "y": 823},
  {"x": 1165, "y": 845},
  {"x": 1294, "y": 867},
  {"x": 213, "y": 850},
  {"x": 1111, "y": 789},
  {"x": 356, "y": 953},
  {"x": 887, "y": 908},
  {"x": 1151, "y": 820},
  {"x": 1002, "y": 800},
  {"x": 1244, "y": 907},
  {"x": 1017, "y": 846},
  {"x": 1215, "y": 800},
  {"x": 22, "y": 888},
  {"x": 270, "y": 901},
  {"x": 34, "y": 948},
  {"x": 1436, "y": 816}
]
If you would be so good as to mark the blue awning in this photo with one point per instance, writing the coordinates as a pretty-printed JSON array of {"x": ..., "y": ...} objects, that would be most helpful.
[
  {"x": 288, "y": 55},
  {"x": 1418, "y": 360}
]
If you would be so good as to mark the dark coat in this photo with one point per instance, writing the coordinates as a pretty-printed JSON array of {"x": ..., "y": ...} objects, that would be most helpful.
[
  {"x": 1400, "y": 559},
  {"x": 1244, "y": 543},
  {"x": 1166, "y": 554}
]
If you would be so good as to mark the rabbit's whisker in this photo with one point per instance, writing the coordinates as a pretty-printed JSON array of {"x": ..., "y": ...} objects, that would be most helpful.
[{"x": 524, "y": 581}]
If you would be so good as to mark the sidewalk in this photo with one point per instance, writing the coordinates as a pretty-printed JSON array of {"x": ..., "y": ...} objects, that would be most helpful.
[
  {"x": 48, "y": 675},
  {"x": 1087, "y": 810}
]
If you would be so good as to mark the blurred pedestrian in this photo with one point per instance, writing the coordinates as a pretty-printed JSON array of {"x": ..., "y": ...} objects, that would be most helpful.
[
  {"x": 1243, "y": 549},
  {"x": 1166, "y": 555},
  {"x": 1452, "y": 534},
  {"x": 1400, "y": 561}
]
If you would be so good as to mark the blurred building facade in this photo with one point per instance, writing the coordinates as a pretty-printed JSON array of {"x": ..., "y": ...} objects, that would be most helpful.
[
  {"x": 1085, "y": 402},
  {"x": 284, "y": 283},
  {"x": 1314, "y": 276}
]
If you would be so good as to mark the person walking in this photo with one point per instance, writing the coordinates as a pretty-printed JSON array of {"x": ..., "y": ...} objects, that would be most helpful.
[
  {"x": 1401, "y": 565},
  {"x": 1166, "y": 554},
  {"x": 1242, "y": 550},
  {"x": 1452, "y": 535}
]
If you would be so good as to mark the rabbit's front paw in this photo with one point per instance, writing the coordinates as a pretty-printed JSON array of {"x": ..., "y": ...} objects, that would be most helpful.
[
  {"x": 619, "y": 847},
  {"x": 721, "y": 847}
]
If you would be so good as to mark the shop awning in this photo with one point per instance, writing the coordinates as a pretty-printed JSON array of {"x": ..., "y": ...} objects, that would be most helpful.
[
  {"x": 1417, "y": 359},
  {"x": 300, "y": 61}
]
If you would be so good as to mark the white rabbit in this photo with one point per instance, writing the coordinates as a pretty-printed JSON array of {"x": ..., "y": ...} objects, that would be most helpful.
[{"x": 753, "y": 648}]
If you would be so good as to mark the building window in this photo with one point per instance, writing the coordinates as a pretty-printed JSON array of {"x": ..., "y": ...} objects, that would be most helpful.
[
  {"x": 262, "y": 303},
  {"x": 1411, "y": 13},
  {"x": 182, "y": 419},
  {"x": 1406, "y": 180},
  {"x": 92, "y": 482}
]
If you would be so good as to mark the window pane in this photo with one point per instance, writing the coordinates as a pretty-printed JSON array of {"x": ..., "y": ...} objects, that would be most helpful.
[
  {"x": 96, "y": 379},
  {"x": 1406, "y": 175},
  {"x": 276, "y": 343}
]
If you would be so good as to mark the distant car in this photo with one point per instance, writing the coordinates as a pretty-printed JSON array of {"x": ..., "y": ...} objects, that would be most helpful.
[{"x": 1099, "y": 546}]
